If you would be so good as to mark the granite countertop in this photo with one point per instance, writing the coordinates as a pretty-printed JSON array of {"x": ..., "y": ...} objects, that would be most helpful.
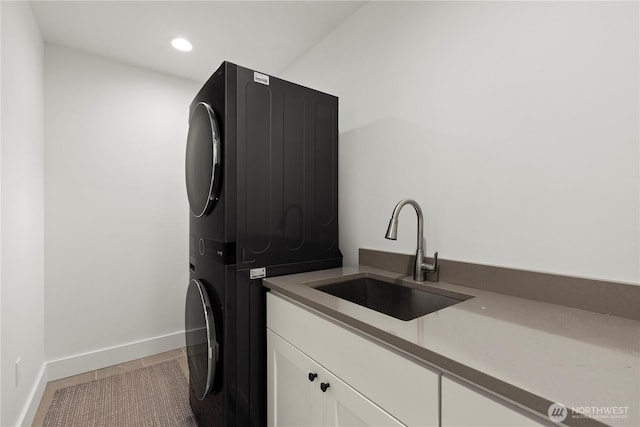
[{"x": 531, "y": 353}]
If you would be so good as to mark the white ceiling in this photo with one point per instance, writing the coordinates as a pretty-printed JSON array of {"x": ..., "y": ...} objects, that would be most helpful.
[{"x": 264, "y": 35}]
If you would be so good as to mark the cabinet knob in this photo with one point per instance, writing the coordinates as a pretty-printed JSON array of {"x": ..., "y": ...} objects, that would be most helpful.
[
  {"x": 324, "y": 386},
  {"x": 312, "y": 376}
]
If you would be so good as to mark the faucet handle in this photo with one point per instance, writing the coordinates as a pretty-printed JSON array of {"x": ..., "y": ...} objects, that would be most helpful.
[
  {"x": 433, "y": 272},
  {"x": 431, "y": 267}
]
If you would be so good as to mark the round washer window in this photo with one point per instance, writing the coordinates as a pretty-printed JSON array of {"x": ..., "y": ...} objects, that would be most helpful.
[
  {"x": 203, "y": 350},
  {"x": 203, "y": 160}
]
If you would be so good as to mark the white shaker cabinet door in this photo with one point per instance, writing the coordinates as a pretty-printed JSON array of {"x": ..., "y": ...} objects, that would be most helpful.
[
  {"x": 345, "y": 407},
  {"x": 302, "y": 393},
  {"x": 462, "y": 406},
  {"x": 290, "y": 397}
]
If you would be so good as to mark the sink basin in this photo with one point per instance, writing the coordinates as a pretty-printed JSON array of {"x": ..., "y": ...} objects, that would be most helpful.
[{"x": 401, "y": 302}]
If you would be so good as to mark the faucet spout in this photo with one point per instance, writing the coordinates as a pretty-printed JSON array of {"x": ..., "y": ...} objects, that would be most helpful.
[
  {"x": 392, "y": 230},
  {"x": 392, "y": 234}
]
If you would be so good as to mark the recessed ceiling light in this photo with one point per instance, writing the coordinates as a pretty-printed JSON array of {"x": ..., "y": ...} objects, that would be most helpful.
[{"x": 181, "y": 44}]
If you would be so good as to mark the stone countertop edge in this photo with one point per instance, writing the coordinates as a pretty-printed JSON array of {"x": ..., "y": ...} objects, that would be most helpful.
[{"x": 526, "y": 401}]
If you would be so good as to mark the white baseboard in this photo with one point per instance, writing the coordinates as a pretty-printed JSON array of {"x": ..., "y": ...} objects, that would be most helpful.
[
  {"x": 33, "y": 400},
  {"x": 90, "y": 361}
]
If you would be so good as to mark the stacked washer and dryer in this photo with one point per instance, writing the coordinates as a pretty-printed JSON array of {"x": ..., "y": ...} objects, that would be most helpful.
[{"x": 262, "y": 184}]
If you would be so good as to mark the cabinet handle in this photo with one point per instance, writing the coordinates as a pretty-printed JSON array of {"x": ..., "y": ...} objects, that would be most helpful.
[
  {"x": 312, "y": 376},
  {"x": 324, "y": 386}
]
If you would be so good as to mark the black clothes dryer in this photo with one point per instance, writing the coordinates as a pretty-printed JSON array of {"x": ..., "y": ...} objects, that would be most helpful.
[{"x": 262, "y": 184}]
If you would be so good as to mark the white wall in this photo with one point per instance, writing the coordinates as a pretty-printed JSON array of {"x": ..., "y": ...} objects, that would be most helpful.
[
  {"x": 22, "y": 209},
  {"x": 514, "y": 124},
  {"x": 116, "y": 210}
]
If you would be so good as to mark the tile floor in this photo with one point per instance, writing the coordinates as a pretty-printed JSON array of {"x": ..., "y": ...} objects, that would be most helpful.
[{"x": 180, "y": 355}]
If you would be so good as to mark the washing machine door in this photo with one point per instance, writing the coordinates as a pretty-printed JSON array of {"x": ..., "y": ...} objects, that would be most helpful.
[
  {"x": 203, "y": 341},
  {"x": 203, "y": 160}
]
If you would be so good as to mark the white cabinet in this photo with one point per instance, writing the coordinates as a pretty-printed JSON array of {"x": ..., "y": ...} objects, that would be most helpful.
[
  {"x": 290, "y": 397},
  {"x": 303, "y": 393},
  {"x": 462, "y": 406},
  {"x": 368, "y": 383},
  {"x": 407, "y": 391}
]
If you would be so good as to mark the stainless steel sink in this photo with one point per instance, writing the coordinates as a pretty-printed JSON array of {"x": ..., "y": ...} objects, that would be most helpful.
[{"x": 392, "y": 299}]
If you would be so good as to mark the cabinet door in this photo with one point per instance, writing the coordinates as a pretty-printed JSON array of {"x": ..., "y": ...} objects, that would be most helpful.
[
  {"x": 291, "y": 401},
  {"x": 462, "y": 406},
  {"x": 343, "y": 406},
  {"x": 295, "y": 400}
]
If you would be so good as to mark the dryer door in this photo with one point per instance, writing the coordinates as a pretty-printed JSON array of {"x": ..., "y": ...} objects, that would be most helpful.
[
  {"x": 204, "y": 351},
  {"x": 203, "y": 161}
]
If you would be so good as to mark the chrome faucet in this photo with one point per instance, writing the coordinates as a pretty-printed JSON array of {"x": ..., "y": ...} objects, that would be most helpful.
[{"x": 392, "y": 234}]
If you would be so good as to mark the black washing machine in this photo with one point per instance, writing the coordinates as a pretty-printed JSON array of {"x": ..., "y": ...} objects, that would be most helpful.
[
  {"x": 262, "y": 184},
  {"x": 210, "y": 334}
]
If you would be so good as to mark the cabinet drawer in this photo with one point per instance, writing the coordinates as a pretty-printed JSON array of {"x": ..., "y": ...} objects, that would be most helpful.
[{"x": 406, "y": 390}]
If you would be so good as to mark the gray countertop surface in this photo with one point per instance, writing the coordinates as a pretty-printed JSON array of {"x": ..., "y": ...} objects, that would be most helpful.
[{"x": 531, "y": 353}]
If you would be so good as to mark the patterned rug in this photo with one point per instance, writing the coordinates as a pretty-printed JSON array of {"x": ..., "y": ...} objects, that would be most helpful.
[{"x": 153, "y": 396}]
